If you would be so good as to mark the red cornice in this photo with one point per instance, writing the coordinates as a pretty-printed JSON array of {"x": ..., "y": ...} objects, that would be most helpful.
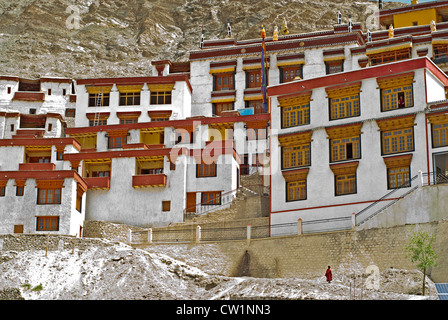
[
  {"x": 358, "y": 75},
  {"x": 40, "y": 142},
  {"x": 169, "y": 123},
  {"x": 43, "y": 175}
]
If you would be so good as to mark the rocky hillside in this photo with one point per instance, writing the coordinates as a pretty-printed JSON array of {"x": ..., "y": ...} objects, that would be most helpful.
[
  {"x": 98, "y": 270},
  {"x": 100, "y": 38}
]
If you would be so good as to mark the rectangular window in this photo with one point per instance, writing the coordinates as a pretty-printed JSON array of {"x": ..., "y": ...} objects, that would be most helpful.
[
  {"x": 296, "y": 156},
  {"x": 166, "y": 206},
  {"x": 440, "y": 50},
  {"x": 256, "y": 134},
  {"x": 389, "y": 56},
  {"x": 70, "y": 112},
  {"x": 128, "y": 120},
  {"x": 334, "y": 66},
  {"x": 98, "y": 122},
  {"x": 288, "y": 74},
  {"x": 211, "y": 198},
  {"x": 345, "y": 184},
  {"x": 161, "y": 97},
  {"x": 99, "y": 99},
  {"x": 129, "y": 98},
  {"x": 257, "y": 105},
  {"x": 439, "y": 135},
  {"x": 223, "y": 82},
  {"x": 116, "y": 142},
  {"x": 47, "y": 224},
  {"x": 398, "y": 177},
  {"x": 206, "y": 170},
  {"x": 253, "y": 79},
  {"x": 345, "y": 149},
  {"x": 20, "y": 190},
  {"x": 395, "y": 141},
  {"x": 295, "y": 115},
  {"x": 296, "y": 190},
  {"x": 344, "y": 107},
  {"x": 49, "y": 196},
  {"x": 220, "y": 107},
  {"x": 2, "y": 191},
  {"x": 397, "y": 98}
]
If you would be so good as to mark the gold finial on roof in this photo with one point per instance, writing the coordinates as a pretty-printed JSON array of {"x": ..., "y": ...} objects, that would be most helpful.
[
  {"x": 263, "y": 32},
  {"x": 433, "y": 26},
  {"x": 275, "y": 35},
  {"x": 391, "y": 31},
  {"x": 285, "y": 27}
]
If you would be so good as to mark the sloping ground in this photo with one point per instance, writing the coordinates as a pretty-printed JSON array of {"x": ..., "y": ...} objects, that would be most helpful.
[{"x": 118, "y": 272}]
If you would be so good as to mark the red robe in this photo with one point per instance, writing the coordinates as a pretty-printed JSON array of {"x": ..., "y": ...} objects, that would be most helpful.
[{"x": 328, "y": 275}]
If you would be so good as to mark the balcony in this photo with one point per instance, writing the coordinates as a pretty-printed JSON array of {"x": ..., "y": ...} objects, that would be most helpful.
[
  {"x": 149, "y": 180},
  {"x": 36, "y": 166},
  {"x": 98, "y": 183}
]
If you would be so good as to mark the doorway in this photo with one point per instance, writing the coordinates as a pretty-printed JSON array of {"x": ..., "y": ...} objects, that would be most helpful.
[{"x": 440, "y": 168}]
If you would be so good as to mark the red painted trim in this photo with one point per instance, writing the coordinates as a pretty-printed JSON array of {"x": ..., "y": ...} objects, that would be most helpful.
[
  {"x": 44, "y": 175},
  {"x": 358, "y": 75},
  {"x": 335, "y": 205},
  {"x": 40, "y": 142},
  {"x": 427, "y": 148},
  {"x": 171, "y": 123},
  {"x": 29, "y": 96},
  {"x": 149, "y": 180},
  {"x": 58, "y": 80}
]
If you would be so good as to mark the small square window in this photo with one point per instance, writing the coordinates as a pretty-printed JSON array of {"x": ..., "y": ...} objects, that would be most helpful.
[
  {"x": 20, "y": 190},
  {"x": 166, "y": 206}
]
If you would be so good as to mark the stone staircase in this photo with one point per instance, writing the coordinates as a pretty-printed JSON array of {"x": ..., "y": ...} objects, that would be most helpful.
[{"x": 251, "y": 201}]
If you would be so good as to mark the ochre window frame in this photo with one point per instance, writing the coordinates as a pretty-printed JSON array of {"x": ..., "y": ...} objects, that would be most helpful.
[
  {"x": 400, "y": 127},
  {"x": 345, "y": 178},
  {"x": 116, "y": 139},
  {"x": 94, "y": 92},
  {"x": 129, "y": 98},
  {"x": 391, "y": 87},
  {"x": 295, "y": 111},
  {"x": 296, "y": 190},
  {"x": 439, "y": 130},
  {"x": 395, "y": 166},
  {"x": 49, "y": 195},
  {"x": 289, "y": 141},
  {"x": 161, "y": 97},
  {"x": 223, "y": 106},
  {"x": 334, "y": 66},
  {"x": 344, "y": 102}
]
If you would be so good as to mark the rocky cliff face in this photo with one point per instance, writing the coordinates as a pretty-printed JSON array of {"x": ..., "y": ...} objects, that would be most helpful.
[{"x": 101, "y": 38}]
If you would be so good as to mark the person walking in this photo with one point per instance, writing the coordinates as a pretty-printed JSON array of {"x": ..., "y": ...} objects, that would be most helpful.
[{"x": 329, "y": 275}]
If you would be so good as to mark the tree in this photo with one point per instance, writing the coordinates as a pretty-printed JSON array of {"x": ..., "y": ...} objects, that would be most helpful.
[{"x": 419, "y": 250}]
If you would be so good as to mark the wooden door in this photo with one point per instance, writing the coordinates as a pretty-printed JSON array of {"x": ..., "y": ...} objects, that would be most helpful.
[{"x": 191, "y": 201}]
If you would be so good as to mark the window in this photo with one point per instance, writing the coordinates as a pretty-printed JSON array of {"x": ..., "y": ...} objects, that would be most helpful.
[
  {"x": 79, "y": 192},
  {"x": 161, "y": 97},
  {"x": 8, "y": 90},
  {"x": 400, "y": 140},
  {"x": 296, "y": 156},
  {"x": 70, "y": 112},
  {"x": 12, "y": 128},
  {"x": 220, "y": 107},
  {"x": 257, "y": 105},
  {"x": 206, "y": 170},
  {"x": 64, "y": 92},
  {"x": 59, "y": 155},
  {"x": 344, "y": 107},
  {"x": 49, "y": 92},
  {"x": 184, "y": 136},
  {"x": 440, "y": 51},
  {"x": 389, "y": 56},
  {"x": 345, "y": 148},
  {"x": 223, "y": 82},
  {"x": 253, "y": 79},
  {"x": 128, "y": 120},
  {"x": 439, "y": 135},
  {"x": 129, "y": 98},
  {"x": 397, "y": 98},
  {"x": 99, "y": 99},
  {"x": 256, "y": 134},
  {"x": 345, "y": 184},
  {"x": 20, "y": 190},
  {"x": 166, "y": 206},
  {"x": 2, "y": 191},
  {"x": 116, "y": 142},
  {"x": 334, "y": 66},
  {"x": 49, "y": 196},
  {"x": 295, "y": 115},
  {"x": 97, "y": 122},
  {"x": 211, "y": 198},
  {"x": 398, "y": 177},
  {"x": 296, "y": 190},
  {"x": 50, "y": 127},
  {"x": 47, "y": 224},
  {"x": 288, "y": 74}
]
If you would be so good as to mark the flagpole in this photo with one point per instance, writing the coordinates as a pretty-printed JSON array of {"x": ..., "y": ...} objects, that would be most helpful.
[{"x": 263, "y": 70}]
